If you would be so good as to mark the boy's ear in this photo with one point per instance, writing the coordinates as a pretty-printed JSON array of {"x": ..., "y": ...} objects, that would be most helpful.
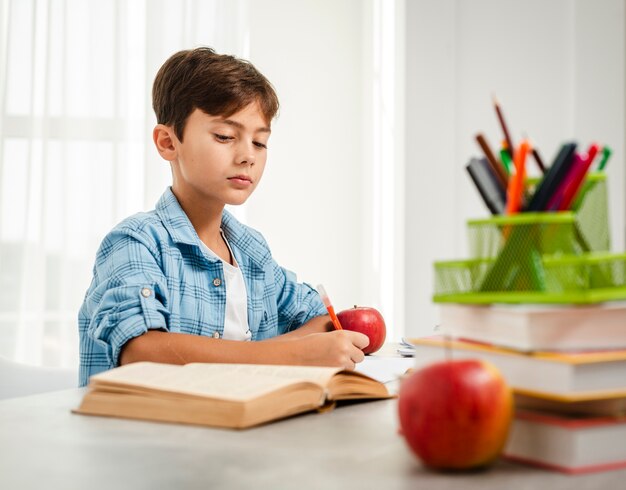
[{"x": 164, "y": 139}]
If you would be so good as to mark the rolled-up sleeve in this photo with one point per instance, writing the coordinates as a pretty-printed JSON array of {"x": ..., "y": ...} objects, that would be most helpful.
[
  {"x": 128, "y": 296},
  {"x": 297, "y": 302}
]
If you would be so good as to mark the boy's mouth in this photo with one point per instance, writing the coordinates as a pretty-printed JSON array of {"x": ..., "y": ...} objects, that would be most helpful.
[{"x": 241, "y": 179}]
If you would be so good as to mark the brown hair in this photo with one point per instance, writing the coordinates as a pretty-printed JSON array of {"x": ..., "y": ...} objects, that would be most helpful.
[{"x": 217, "y": 84}]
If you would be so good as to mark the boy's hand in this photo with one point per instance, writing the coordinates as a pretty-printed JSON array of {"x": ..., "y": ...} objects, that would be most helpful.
[{"x": 340, "y": 348}]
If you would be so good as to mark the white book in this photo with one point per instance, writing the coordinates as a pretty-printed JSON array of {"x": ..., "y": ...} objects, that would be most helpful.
[
  {"x": 538, "y": 327},
  {"x": 564, "y": 376},
  {"x": 568, "y": 444}
]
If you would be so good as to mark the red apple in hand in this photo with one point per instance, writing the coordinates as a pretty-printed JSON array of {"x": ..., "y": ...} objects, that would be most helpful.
[
  {"x": 456, "y": 414},
  {"x": 367, "y": 321}
]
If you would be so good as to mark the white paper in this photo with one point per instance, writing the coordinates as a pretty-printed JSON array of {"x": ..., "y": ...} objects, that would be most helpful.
[{"x": 385, "y": 369}]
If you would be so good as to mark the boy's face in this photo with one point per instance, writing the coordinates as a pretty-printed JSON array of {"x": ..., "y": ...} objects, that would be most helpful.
[{"x": 220, "y": 160}]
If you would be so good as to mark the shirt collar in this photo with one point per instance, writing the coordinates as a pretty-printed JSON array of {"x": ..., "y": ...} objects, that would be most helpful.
[
  {"x": 175, "y": 220},
  {"x": 243, "y": 240},
  {"x": 182, "y": 231}
]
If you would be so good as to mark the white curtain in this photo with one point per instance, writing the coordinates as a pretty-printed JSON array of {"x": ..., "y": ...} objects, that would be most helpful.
[{"x": 76, "y": 154}]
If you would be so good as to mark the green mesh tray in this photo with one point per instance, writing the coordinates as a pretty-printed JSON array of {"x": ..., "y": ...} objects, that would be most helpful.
[
  {"x": 589, "y": 278},
  {"x": 538, "y": 257}
]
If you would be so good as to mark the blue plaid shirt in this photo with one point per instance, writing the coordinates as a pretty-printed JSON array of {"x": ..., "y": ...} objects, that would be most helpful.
[{"x": 152, "y": 273}]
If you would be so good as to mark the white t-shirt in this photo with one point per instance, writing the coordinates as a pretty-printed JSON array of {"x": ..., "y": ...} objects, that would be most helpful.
[{"x": 236, "y": 317}]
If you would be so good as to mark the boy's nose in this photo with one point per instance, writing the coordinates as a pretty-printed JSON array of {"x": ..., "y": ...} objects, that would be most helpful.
[
  {"x": 246, "y": 160},
  {"x": 246, "y": 156}
]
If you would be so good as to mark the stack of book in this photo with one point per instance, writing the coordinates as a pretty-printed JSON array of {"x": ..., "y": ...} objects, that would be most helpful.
[
  {"x": 567, "y": 367},
  {"x": 544, "y": 299}
]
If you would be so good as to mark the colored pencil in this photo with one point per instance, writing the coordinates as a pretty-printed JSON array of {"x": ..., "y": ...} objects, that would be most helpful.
[
  {"x": 505, "y": 130},
  {"x": 329, "y": 307},
  {"x": 606, "y": 153},
  {"x": 493, "y": 162},
  {"x": 505, "y": 156},
  {"x": 539, "y": 160},
  {"x": 515, "y": 191}
]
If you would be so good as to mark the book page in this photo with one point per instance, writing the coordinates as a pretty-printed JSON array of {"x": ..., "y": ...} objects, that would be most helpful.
[
  {"x": 385, "y": 369},
  {"x": 238, "y": 382}
]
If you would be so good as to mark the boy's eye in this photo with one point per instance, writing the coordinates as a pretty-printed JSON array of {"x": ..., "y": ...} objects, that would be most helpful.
[
  {"x": 260, "y": 145},
  {"x": 222, "y": 137}
]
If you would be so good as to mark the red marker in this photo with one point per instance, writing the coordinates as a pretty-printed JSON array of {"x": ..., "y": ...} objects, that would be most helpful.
[{"x": 578, "y": 178}]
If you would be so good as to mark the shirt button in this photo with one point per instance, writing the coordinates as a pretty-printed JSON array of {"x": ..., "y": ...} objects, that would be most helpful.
[
  {"x": 217, "y": 281},
  {"x": 216, "y": 335},
  {"x": 145, "y": 292}
]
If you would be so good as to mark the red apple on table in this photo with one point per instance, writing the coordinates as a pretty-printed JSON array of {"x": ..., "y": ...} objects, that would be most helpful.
[
  {"x": 366, "y": 320},
  {"x": 456, "y": 414}
]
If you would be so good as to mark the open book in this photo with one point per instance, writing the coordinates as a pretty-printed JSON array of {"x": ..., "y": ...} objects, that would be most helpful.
[{"x": 222, "y": 395}]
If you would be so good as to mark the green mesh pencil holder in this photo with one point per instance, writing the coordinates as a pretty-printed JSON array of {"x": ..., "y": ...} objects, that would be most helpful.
[
  {"x": 515, "y": 259},
  {"x": 584, "y": 229}
]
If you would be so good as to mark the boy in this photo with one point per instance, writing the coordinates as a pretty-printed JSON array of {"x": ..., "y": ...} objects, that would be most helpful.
[{"x": 187, "y": 282}]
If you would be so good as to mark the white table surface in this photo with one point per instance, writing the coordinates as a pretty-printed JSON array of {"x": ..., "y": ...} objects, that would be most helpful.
[{"x": 45, "y": 446}]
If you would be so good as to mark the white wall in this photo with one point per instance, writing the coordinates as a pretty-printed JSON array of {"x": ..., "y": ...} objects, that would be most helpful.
[
  {"x": 308, "y": 205},
  {"x": 335, "y": 172},
  {"x": 557, "y": 68}
]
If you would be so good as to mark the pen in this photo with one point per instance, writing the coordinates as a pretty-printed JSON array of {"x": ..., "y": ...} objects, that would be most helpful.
[
  {"x": 578, "y": 178},
  {"x": 490, "y": 188},
  {"x": 329, "y": 307},
  {"x": 555, "y": 201},
  {"x": 505, "y": 130},
  {"x": 551, "y": 180}
]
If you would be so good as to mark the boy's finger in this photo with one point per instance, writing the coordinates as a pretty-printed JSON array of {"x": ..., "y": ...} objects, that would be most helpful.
[
  {"x": 358, "y": 356},
  {"x": 358, "y": 339}
]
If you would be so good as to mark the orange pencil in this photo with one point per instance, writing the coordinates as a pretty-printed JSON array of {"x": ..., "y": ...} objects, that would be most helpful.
[
  {"x": 329, "y": 307},
  {"x": 515, "y": 191}
]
